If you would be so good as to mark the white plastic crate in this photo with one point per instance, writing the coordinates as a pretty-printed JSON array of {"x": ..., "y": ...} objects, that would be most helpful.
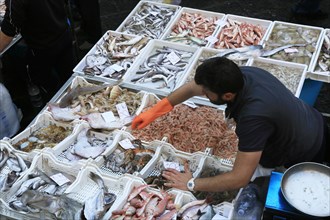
[
  {"x": 299, "y": 76},
  {"x": 171, "y": 8},
  {"x": 118, "y": 123},
  {"x": 112, "y": 62},
  {"x": 60, "y": 152},
  {"x": 44, "y": 162},
  {"x": 205, "y": 14},
  {"x": 315, "y": 72},
  {"x": 43, "y": 120},
  {"x": 136, "y": 182},
  {"x": 120, "y": 136},
  {"x": 158, "y": 87},
  {"x": 314, "y": 44},
  {"x": 264, "y": 24}
]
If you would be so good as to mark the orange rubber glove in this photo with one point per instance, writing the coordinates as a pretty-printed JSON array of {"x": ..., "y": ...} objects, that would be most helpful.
[{"x": 145, "y": 118}]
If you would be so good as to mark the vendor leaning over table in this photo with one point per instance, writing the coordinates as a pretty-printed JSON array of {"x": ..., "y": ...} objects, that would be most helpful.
[{"x": 274, "y": 127}]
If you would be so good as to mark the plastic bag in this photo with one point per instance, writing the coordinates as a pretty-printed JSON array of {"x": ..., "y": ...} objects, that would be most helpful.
[{"x": 9, "y": 119}]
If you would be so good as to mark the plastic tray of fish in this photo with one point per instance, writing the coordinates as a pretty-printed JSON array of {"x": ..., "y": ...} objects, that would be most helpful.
[
  {"x": 161, "y": 67},
  {"x": 128, "y": 155},
  {"x": 320, "y": 65},
  {"x": 193, "y": 26},
  {"x": 45, "y": 132},
  {"x": 103, "y": 107},
  {"x": 85, "y": 143},
  {"x": 292, "y": 75},
  {"x": 13, "y": 166},
  {"x": 88, "y": 185},
  {"x": 149, "y": 19},
  {"x": 158, "y": 201},
  {"x": 169, "y": 157},
  {"x": 238, "y": 31},
  {"x": 111, "y": 56},
  {"x": 45, "y": 178},
  {"x": 298, "y": 42}
]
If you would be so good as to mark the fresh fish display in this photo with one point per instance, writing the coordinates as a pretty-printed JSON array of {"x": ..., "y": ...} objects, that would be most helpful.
[
  {"x": 150, "y": 20},
  {"x": 97, "y": 121},
  {"x": 235, "y": 34},
  {"x": 285, "y": 34},
  {"x": 86, "y": 146},
  {"x": 114, "y": 55},
  {"x": 99, "y": 203},
  {"x": 47, "y": 136},
  {"x": 193, "y": 29},
  {"x": 323, "y": 61},
  {"x": 197, "y": 209},
  {"x": 11, "y": 166},
  {"x": 155, "y": 176},
  {"x": 128, "y": 161},
  {"x": 38, "y": 192},
  {"x": 192, "y": 130},
  {"x": 145, "y": 204},
  {"x": 215, "y": 197},
  {"x": 160, "y": 70},
  {"x": 289, "y": 76}
]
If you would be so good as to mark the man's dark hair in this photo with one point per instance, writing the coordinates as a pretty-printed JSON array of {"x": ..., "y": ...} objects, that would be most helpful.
[{"x": 219, "y": 75}]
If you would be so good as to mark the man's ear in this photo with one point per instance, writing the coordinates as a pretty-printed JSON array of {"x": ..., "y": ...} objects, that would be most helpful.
[{"x": 228, "y": 96}]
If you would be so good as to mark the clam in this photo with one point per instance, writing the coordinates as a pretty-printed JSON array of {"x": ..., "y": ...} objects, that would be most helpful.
[{"x": 115, "y": 92}]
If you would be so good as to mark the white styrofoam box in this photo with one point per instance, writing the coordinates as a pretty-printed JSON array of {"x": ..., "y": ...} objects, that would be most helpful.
[
  {"x": 166, "y": 150},
  {"x": 136, "y": 182},
  {"x": 47, "y": 164},
  {"x": 315, "y": 42},
  {"x": 97, "y": 50},
  {"x": 315, "y": 72},
  {"x": 60, "y": 151},
  {"x": 151, "y": 50},
  {"x": 43, "y": 120},
  {"x": 171, "y": 8},
  {"x": 203, "y": 13},
  {"x": 122, "y": 135},
  {"x": 265, "y": 24},
  {"x": 297, "y": 78}
]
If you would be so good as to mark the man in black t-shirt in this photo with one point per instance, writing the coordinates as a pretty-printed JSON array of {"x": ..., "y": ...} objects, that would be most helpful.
[
  {"x": 274, "y": 127},
  {"x": 44, "y": 26}
]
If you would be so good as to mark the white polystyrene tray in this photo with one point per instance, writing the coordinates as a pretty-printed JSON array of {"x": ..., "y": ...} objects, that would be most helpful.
[
  {"x": 323, "y": 76},
  {"x": 59, "y": 151},
  {"x": 82, "y": 64},
  {"x": 317, "y": 43},
  {"x": 206, "y": 14},
  {"x": 122, "y": 135},
  {"x": 302, "y": 67},
  {"x": 135, "y": 183},
  {"x": 42, "y": 120},
  {"x": 265, "y": 24},
  {"x": 43, "y": 162},
  {"x": 153, "y": 86},
  {"x": 174, "y": 8}
]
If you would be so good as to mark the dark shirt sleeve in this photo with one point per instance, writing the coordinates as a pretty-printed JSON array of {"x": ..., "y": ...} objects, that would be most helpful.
[
  {"x": 253, "y": 133},
  {"x": 14, "y": 17}
]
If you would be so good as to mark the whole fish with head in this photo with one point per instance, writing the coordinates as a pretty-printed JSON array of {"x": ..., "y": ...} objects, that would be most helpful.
[{"x": 75, "y": 92}]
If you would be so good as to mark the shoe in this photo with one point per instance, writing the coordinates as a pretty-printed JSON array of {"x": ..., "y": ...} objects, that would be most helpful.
[{"x": 86, "y": 46}]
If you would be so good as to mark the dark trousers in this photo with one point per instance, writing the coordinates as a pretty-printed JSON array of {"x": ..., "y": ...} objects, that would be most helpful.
[
  {"x": 91, "y": 21},
  {"x": 50, "y": 68}
]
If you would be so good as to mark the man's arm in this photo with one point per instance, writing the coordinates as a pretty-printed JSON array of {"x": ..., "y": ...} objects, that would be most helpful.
[
  {"x": 185, "y": 92},
  {"x": 4, "y": 41},
  {"x": 239, "y": 176}
]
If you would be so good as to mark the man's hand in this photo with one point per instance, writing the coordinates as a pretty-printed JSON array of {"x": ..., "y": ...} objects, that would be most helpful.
[{"x": 176, "y": 179}]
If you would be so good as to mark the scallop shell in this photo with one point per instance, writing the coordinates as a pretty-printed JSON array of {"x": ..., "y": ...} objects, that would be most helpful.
[{"x": 115, "y": 92}]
